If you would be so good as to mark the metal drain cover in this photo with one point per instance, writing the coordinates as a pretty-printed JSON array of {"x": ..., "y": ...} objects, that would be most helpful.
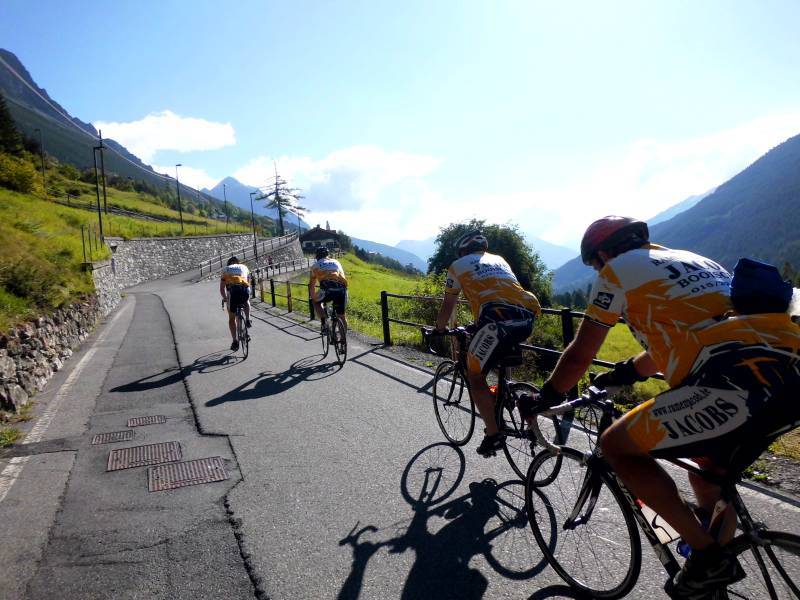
[
  {"x": 142, "y": 456},
  {"x": 114, "y": 436},
  {"x": 151, "y": 420},
  {"x": 193, "y": 472}
]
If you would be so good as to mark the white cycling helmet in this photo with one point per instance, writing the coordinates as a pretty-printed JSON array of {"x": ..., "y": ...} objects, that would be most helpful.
[{"x": 471, "y": 241}]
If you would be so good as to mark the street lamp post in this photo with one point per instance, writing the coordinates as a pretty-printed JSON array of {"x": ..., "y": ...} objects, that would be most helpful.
[
  {"x": 41, "y": 154},
  {"x": 225, "y": 196},
  {"x": 97, "y": 190},
  {"x": 178, "y": 185},
  {"x": 253, "y": 222}
]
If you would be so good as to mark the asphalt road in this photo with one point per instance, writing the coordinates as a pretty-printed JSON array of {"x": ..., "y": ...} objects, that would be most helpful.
[{"x": 341, "y": 484}]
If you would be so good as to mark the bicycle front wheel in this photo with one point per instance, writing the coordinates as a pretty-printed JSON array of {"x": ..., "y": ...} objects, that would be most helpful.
[
  {"x": 772, "y": 564},
  {"x": 598, "y": 552},
  {"x": 520, "y": 444},
  {"x": 339, "y": 335},
  {"x": 452, "y": 403}
]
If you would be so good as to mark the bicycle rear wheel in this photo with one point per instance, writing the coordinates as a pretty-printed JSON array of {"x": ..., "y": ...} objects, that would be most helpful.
[
  {"x": 598, "y": 554},
  {"x": 455, "y": 410},
  {"x": 772, "y": 565},
  {"x": 339, "y": 335},
  {"x": 520, "y": 445},
  {"x": 244, "y": 338}
]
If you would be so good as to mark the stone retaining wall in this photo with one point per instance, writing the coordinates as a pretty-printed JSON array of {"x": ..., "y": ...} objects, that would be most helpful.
[
  {"x": 31, "y": 353},
  {"x": 144, "y": 259}
]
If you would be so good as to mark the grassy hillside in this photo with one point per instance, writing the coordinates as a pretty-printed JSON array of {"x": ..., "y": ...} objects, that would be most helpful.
[{"x": 42, "y": 252}]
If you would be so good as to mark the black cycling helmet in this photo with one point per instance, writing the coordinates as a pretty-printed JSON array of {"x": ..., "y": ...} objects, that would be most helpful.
[
  {"x": 471, "y": 241},
  {"x": 322, "y": 252},
  {"x": 611, "y": 231},
  {"x": 233, "y": 261}
]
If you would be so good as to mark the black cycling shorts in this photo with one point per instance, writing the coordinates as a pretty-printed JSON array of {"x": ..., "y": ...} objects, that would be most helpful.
[
  {"x": 736, "y": 401},
  {"x": 335, "y": 294},
  {"x": 498, "y": 329},
  {"x": 238, "y": 295}
]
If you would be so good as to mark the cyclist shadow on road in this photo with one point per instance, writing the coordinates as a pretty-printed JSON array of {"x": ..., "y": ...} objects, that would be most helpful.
[
  {"x": 265, "y": 384},
  {"x": 210, "y": 363},
  {"x": 490, "y": 520}
]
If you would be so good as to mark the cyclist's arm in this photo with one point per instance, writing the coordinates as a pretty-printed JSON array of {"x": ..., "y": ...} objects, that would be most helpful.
[
  {"x": 222, "y": 290},
  {"x": 578, "y": 356},
  {"x": 446, "y": 310},
  {"x": 312, "y": 285},
  {"x": 645, "y": 365}
]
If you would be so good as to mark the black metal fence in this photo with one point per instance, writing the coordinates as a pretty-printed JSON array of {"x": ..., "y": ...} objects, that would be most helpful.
[{"x": 566, "y": 316}]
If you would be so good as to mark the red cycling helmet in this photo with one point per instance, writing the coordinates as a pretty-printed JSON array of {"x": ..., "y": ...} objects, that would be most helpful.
[{"x": 611, "y": 231}]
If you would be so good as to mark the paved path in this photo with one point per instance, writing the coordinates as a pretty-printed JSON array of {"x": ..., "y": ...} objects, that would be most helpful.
[{"x": 341, "y": 487}]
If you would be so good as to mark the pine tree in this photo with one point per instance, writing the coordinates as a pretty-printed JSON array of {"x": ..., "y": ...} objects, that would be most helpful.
[{"x": 10, "y": 138}]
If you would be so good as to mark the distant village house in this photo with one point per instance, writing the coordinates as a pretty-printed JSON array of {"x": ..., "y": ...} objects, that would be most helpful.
[{"x": 317, "y": 237}]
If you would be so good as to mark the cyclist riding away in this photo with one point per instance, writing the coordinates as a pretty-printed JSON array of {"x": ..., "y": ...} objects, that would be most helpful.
[
  {"x": 503, "y": 311},
  {"x": 332, "y": 286},
  {"x": 234, "y": 287},
  {"x": 731, "y": 376}
]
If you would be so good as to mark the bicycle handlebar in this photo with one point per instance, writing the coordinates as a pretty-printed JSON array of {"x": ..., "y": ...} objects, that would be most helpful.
[
  {"x": 429, "y": 332},
  {"x": 591, "y": 396}
]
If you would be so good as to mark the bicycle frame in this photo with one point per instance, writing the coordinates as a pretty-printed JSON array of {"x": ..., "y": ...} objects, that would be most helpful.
[{"x": 593, "y": 482}]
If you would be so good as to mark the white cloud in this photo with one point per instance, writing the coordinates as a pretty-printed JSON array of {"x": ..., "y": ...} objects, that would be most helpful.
[
  {"x": 387, "y": 196},
  {"x": 167, "y": 131},
  {"x": 196, "y": 178}
]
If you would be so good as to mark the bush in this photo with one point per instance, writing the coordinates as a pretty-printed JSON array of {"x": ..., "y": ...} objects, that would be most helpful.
[
  {"x": 69, "y": 172},
  {"x": 16, "y": 173}
]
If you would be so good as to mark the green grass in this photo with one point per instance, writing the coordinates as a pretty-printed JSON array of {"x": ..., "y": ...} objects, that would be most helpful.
[
  {"x": 42, "y": 249},
  {"x": 9, "y": 435}
]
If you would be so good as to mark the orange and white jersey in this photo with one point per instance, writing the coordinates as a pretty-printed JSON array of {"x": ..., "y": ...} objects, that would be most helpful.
[
  {"x": 667, "y": 297},
  {"x": 328, "y": 269},
  {"x": 487, "y": 278},
  {"x": 236, "y": 274}
]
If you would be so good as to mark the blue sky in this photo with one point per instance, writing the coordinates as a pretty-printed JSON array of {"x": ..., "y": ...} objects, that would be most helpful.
[{"x": 399, "y": 117}]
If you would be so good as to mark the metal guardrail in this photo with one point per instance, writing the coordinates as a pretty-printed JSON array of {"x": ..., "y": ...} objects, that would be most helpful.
[
  {"x": 566, "y": 315},
  {"x": 246, "y": 253}
]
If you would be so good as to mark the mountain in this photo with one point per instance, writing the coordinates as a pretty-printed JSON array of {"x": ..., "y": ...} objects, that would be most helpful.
[
  {"x": 424, "y": 249},
  {"x": 756, "y": 214},
  {"x": 238, "y": 194},
  {"x": 678, "y": 208},
  {"x": 551, "y": 254},
  {"x": 392, "y": 252},
  {"x": 67, "y": 138}
]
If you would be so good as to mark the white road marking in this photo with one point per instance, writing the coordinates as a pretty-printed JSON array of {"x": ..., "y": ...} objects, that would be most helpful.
[{"x": 14, "y": 468}]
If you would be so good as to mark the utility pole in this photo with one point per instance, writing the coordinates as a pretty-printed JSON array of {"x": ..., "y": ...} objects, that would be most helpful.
[
  {"x": 97, "y": 190},
  {"x": 253, "y": 222},
  {"x": 178, "y": 184},
  {"x": 103, "y": 172},
  {"x": 225, "y": 196},
  {"x": 41, "y": 154}
]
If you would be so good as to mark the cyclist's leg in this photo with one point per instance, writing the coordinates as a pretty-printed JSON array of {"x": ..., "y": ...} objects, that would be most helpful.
[
  {"x": 317, "y": 301},
  {"x": 481, "y": 356},
  {"x": 648, "y": 481},
  {"x": 247, "y": 309},
  {"x": 231, "y": 314}
]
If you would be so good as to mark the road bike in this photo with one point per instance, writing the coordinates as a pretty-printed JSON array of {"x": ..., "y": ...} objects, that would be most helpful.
[
  {"x": 335, "y": 334},
  {"x": 242, "y": 333},
  {"x": 455, "y": 410},
  {"x": 585, "y": 521}
]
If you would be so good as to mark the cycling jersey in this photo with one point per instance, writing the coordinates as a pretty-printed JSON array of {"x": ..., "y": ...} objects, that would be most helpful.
[
  {"x": 667, "y": 297},
  {"x": 328, "y": 271},
  {"x": 236, "y": 274},
  {"x": 487, "y": 280}
]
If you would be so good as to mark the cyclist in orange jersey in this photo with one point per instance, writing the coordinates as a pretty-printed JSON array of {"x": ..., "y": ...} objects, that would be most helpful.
[
  {"x": 234, "y": 287},
  {"x": 727, "y": 370},
  {"x": 504, "y": 313}
]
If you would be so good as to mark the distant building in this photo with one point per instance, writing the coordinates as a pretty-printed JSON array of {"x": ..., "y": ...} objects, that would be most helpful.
[{"x": 318, "y": 237}]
